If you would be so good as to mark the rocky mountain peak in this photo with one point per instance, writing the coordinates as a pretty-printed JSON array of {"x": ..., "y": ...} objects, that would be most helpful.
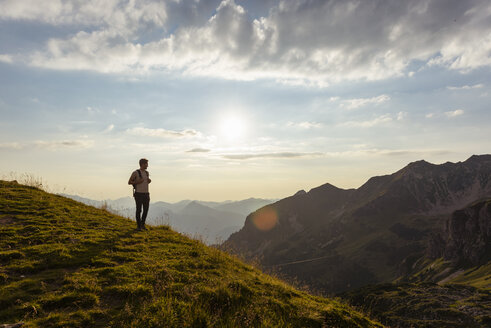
[
  {"x": 479, "y": 158},
  {"x": 300, "y": 192}
]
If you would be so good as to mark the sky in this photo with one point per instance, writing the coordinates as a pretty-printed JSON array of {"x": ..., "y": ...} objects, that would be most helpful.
[{"x": 235, "y": 99}]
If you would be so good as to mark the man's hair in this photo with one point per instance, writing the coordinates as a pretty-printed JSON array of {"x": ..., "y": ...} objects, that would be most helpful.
[{"x": 143, "y": 161}]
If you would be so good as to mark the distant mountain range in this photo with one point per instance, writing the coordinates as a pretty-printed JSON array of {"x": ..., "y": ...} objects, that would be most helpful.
[
  {"x": 213, "y": 222},
  {"x": 335, "y": 240}
]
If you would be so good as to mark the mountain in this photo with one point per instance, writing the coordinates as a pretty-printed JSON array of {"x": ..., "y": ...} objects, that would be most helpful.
[
  {"x": 466, "y": 237},
  {"x": 66, "y": 264},
  {"x": 243, "y": 207},
  {"x": 213, "y": 222},
  {"x": 335, "y": 240},
  {"x": 206, "y": 223},
  {"x": 450, "y": 287}
]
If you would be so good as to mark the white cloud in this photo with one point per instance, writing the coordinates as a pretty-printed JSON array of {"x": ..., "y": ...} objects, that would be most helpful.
[
  {"x": 109, "y": 128},
  {"x": 304, "y": 125},
  {"x": 454, "y": 113},
  {"x": 117, "y": 14},
  {"x": 430, "y": 115},
  {"x": 381, "y": 120},
  {"x": 162, "y": 133},
  {"x": 11, "y": 145},
  {"x": 401, "y": 116},
  {"x": 299, "y": 42},
  {"x": 6, "y": 59},
  {"x": 467, "y": 87},
  {"x": 360, "y": 102}
]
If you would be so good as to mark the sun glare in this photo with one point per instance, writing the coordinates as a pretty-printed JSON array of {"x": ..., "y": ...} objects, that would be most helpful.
[{"x": 232, "y": 128}]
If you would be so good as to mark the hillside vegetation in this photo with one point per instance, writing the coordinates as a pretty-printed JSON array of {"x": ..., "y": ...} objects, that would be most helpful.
[{"x": 65, "y": 264}]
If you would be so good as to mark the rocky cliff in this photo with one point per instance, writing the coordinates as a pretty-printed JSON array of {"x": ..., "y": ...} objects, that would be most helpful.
[{"x": 465, "y": 238}]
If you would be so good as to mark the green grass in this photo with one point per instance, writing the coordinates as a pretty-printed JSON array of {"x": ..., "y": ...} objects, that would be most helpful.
[
  {"x": 479, "y": 277},
  {"x": 64, "y": 264}
]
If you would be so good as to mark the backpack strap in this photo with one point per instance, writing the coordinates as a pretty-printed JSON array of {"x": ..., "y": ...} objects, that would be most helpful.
[{"x": 134, "y": 185}]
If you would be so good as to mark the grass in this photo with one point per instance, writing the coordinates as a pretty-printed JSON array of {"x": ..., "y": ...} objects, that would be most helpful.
[
  {"x": 479, "y": 277},
  {"x": 65, "y": 264}
]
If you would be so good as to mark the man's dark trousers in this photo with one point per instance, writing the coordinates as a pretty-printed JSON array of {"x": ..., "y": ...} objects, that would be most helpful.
[{"x": 142, "y": 199}]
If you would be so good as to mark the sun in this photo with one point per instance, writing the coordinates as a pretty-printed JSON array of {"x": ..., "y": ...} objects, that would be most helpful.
[{"x": 232, "y": 128}]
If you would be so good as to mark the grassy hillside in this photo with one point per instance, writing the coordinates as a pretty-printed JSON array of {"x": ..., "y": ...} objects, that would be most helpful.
[{"x": 65, "y": 264}]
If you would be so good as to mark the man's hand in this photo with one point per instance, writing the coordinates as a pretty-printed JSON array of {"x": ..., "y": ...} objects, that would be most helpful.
[{"x": 149, "y": 180}]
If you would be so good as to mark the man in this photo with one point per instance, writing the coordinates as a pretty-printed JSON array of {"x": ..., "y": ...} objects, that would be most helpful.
[{"x": 140, "y": 180}]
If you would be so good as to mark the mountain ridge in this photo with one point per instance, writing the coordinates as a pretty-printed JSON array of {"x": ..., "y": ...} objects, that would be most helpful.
[{"x": 365, "y": 234}]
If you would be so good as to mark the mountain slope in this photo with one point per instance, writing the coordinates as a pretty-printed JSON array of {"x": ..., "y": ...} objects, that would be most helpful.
[
  {"x": 243, "y": 207},
  {"x": 65, "y": 264},
  {"x": 336, "y": 240}
]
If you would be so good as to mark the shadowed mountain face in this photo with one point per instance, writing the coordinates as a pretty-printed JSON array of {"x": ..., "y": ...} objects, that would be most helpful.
[
  {"x": 336, "y": 240},
  {"x": 466, "y": 236}
]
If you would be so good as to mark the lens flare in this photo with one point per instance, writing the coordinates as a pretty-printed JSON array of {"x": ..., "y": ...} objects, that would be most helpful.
[{"x": 265, "y": 219}]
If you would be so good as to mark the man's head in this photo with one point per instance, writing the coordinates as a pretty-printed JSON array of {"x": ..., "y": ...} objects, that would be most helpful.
[{"x": 143, "y": 163}]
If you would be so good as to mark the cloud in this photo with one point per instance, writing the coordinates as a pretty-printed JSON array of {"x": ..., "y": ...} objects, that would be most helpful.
[
  {"x": 349, "y": 153},
  {"x": 401, "y": 116},
  {"x": 162, "y": 133},
  {"x": 360, "y": 102},
  {"x": 466, "y": 87},
  {"x": 117, "y": 14},
  {"x": 383, "y": 119},
  {"x": 304, "y": 125},
  {"x": 271, "y": 155},
  {"x": 300, "y": 42},
  {"x": 49, "y": 145},
  {"x": 55, "y": 145},
  {"x": 11, "y": 145},
  {"x": 198, "y": 150},
  {"x": 407, "y": 152},
  {"x": 6, "y": 59},
  {"x": 109, "y": 128},
  {"x": 455, "y": 113}
]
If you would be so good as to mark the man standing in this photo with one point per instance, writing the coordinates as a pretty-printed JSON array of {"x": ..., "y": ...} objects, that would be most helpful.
[{"x": 140, "y": 180}]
